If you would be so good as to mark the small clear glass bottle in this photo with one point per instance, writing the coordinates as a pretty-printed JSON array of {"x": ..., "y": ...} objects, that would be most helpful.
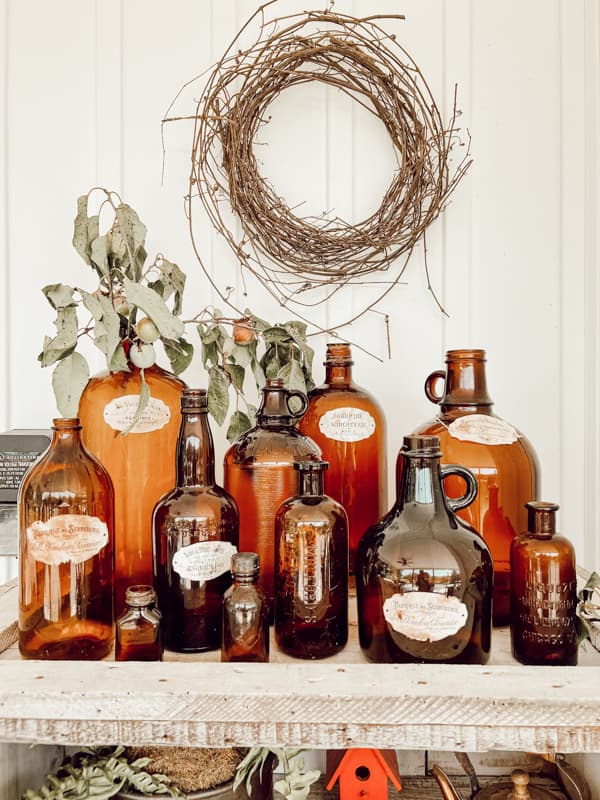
[
  {"x": 138, "y": 629},
  {"x": 245, "y": 613},
  {"x": 311, "y": 569},
  {"x": 543, "y": 591}
]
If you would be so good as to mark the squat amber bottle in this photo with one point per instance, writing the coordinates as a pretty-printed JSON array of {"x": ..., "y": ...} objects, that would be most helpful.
[
  {"x": 138, "y": 462},
  {"x": 245, "y": 613},
  {"x": 501, "y": 458},
  {"x": 543, "y": 592},
  {"x": 424, "y": 577},
  {"x": 66, "y": 515},
  {"x": 195, "y": 534},
  {"x": 138, "y": 628},
  {"x": 259, "y": 470},
  {"x": 349, "y": 426}
]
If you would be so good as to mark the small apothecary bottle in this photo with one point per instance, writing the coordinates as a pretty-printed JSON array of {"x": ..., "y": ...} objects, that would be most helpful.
[
  {"x": 138, "y": 628},
  {"x": 348, "y": 425},
  {"x": 66, "y": 519},
  {"x": 311, "y": 569},
  {"x": 259, "y": 470},
  {"x": 500, "y": 457},
  {"x": 543, "y": 591},
  {"x": 195, "y": 529},
  {"x": 245, "y": 613},
  {"x": 424, "y": 577}
]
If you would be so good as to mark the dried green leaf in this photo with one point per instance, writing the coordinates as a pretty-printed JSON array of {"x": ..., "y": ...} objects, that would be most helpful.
[
  {"x": 257, "y": 323},
  {"x": 85, "y": 230},
  {"x": 275, "y": 335},
  {"x": 59, "y": 295},
  {"x": 238, "y": 425},
  {"x": 296, "y": 329},
  {"x": 118, "y": 362},
  {"x": 170, "y": 326},
  {"x": 258, "y": 372},
  {"x": 180, "y": 353},
  {"x": 128, "y": 234},
  {"x": 174, "y": 280},
  {"x": 99, "y": 256},
  {"x": 92, "y": 304},
  {"x": 112, "y": 325},
  {"x": 293, "y": 377},
  {"x": 218, "y": 394},
  {"x": 237, "y": 375},
  {"x": 65, "y": 340},
  {"x": 210, "y": 354},
  {"x": 68, "y": 382},
  {"x": 242, "y": 354}
]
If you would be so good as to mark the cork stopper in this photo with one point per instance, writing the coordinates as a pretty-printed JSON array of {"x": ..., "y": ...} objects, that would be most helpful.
[
  {"x": 194, "y": 400},
  {"x": 541, "y": 518}
]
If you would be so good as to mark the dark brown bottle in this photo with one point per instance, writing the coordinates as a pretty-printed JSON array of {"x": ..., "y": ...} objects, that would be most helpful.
[
  {"x": 138, "y": 627},
  {"x": 424, "y": 577},
  {"x": 543, "y": 591},
  {"x": 66, "y": 519},
  {"x": 501, "y": 458},
  {"x": 349, "y": 426},
  {"x": 245, "y": 613},
  {"x": 195, "y": 528},
  {"x": 259, "y": 471},
  {"x": 311, "y": 569}
]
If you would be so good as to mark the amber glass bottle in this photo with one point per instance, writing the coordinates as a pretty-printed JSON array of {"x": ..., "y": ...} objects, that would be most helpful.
[
  {"x": 311, "y": 569},
  {"x": 259, "y": 471},
  {"x": 195, "y": 529},
  {"x": 501, "y": 458},
  {"x": 424, "y": 577},
  {"x": 543, "y": 592},
  {"x": 138, "y": 462},
  {"x": 349, "y": 426},
  {"x": 66, "y": 516},
  {"x": 138, "y": 628},
  {"x": 245, "y": 613}
]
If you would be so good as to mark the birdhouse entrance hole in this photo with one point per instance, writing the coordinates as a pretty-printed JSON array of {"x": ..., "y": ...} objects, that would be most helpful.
[{"x": 362, "y": 773}]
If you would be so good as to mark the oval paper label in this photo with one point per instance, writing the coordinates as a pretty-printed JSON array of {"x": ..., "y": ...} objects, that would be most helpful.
[
  {"x": 66, "y": 538},
  {"x": 347, "y": 424},
  {"x": 203, "y": 561},
  {"x": 425, "y": 616},
  {"x": 483, "y": 429},
  {"x": 119, "y": 414}
]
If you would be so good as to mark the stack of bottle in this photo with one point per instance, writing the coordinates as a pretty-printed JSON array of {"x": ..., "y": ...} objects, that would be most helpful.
[{"x": 466, "y": 542}]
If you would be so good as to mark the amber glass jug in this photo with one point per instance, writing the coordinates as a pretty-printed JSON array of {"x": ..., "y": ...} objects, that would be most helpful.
[
  {"x": 501, "y": 458},
  {"x": 424, "y": 577},
  {"x": 139, "y": 462},
  {"x": 66, "y": 513},
  {"x": 348, "y": 424},
  {"x": 195, "y": 535},
  {"x": 543, "y": 592},
  {"x": 311, "y": 569},
  {"x": 259, "y": 471}
]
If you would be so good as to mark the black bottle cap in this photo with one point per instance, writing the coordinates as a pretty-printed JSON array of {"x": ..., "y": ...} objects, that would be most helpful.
[
  {"x": 541, "y": 517},
  {"x": 424, "y": 446}
]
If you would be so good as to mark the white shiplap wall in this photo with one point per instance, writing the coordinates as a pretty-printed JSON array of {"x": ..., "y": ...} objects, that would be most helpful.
[{"x": 84, "y": 85}]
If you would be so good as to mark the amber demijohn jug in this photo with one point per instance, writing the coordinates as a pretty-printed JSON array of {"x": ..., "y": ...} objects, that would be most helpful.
[
  {"x": 424, "y": 577},
  {"x": 195, "y": 529},
  {"x": 66, "y": 513},
  {"x": 543, "y": 591},
  {"x": 500, "y": 457},
  {"x": 259, "y": 471},
  {"x": 348, "y": 425}
]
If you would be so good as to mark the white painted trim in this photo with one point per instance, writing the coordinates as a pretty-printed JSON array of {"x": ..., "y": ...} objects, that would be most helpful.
[{"x": 4, "y": 230}]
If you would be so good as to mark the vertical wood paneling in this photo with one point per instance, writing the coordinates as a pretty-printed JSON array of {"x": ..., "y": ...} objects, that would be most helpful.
[{"x": 4, "y": 265}]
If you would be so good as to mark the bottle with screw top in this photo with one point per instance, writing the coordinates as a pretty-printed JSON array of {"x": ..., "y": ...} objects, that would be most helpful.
[
  {"x": 348, "y": 424},
  {"x": 138, "y": 627},
  {"x": 66, "y": 522},
  {"x": 245, "y": 613},
  {"x": 500, "y": 457},
  {"x": 311, "y": 569},
  {"x": 195, "y": 528},
  {"x": 543, "y": 591}
]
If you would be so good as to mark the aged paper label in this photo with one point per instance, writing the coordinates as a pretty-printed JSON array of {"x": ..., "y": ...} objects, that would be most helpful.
[
  {"x": 347, "y": 424},
  {"x": 483, "y": 429},
  {"x": 425, "y": 616},
  {"x": 203, "y": 561},
  {"x": 66, "y": 538},
  {"x": 119, "y": 414}
]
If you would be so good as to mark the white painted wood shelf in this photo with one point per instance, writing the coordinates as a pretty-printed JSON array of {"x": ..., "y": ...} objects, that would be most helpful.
[{"x": 338, "y": 702}]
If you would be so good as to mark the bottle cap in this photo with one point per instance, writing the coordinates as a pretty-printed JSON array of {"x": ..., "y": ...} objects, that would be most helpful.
[
  {"x": 541, "y": 517},
  {"x": 140, "y": 595},
  {"x": 311, "y": 466},
  {"x": 424, "y": 446},
  {"x": 245, "y": 563},
  {"x": 194, "y": 400}
]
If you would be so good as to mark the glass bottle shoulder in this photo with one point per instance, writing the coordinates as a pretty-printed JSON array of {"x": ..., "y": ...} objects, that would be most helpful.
[
  {"x": 123, "y": 382},
  {"x": 336, "y": 395},
  {"x": 191, "y": 501},
  {"x": 277, "y": 444},
  {"x": 315, "y": 509}
]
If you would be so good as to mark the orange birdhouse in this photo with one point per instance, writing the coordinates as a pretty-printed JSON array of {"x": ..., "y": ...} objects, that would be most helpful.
[{"x": 362, "y": 773}]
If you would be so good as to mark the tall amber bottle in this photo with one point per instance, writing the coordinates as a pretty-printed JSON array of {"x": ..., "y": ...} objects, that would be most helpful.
[
  {"x": 139, "y": 462},
  {"x": 195, "y": 529},
  {"x": 66, "y": 517},
  {"x": 503, "y": 461},
  {"x": 349, "y": 426},
  {"x": 259, "y": 471},
  {"x": 543, "y": 592},
  {"x": 424, "y": 577},
  {"x": 311, "y": 569}
]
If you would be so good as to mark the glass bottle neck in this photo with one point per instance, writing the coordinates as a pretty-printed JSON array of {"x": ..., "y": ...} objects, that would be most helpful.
[
  {"x": 273, "y": 411},
  {"x": 338, "y": 374},
  {"x": 195, "y": 450},
  {"x": 466, "y": 383},
  {"x": 245, "y": 580},
  {"x": 66, "y": 433},
  {"x": 311, "y": 483},
  {"x": 420, "y": 483}
]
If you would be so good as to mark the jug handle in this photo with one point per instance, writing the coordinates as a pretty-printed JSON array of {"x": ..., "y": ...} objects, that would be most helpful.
[
  {"x": 456, "y": 503},
  {"x": 430, "y": 383},
  {"x": 303, "y": 403}
]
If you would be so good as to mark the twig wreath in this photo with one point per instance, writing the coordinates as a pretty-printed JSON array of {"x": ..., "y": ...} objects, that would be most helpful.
[{"x": 290, "y": 254}]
